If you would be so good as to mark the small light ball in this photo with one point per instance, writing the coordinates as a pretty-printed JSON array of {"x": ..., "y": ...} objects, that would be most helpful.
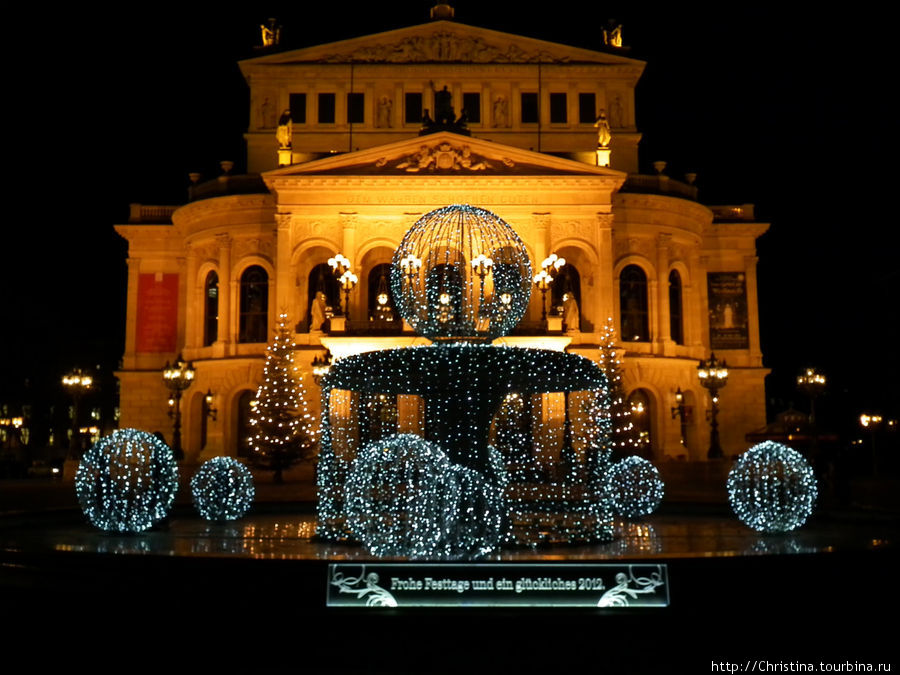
[
  {"x": 634, "y": 486},
  {"x": 771, "y": 488},
  {"x": 222, "y": 489},
  {"x": 127, "y": 481}
]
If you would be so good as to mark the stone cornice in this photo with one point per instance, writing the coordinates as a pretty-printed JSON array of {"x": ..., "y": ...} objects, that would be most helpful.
[
  {"x": 229, "y": 209},
  {"x": 440, "y": 42}
]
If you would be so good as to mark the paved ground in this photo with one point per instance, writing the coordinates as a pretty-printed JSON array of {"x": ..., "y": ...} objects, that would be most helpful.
[{"x": 253, "y": 592}]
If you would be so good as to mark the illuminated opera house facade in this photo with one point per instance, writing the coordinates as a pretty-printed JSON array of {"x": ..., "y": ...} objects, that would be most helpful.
[{"x": 340, "y": 161}]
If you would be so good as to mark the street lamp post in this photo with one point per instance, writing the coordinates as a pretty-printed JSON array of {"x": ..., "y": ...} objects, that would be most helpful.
[
  {"x": 542, "y": 281},
  {"x": 77, "y": 383},
  {"x": 678, "y": 411},
  {"x": 812, "y": 384},
  {"x": 177, "y": 377},
  {"x": 872, "y": 423},
  {"x": 550, "y": 267},
  {"x": 714, "y": 376},
  {"x": 348, "y": 283}
]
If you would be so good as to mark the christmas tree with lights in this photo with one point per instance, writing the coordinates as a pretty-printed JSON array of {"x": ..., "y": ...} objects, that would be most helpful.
[
  {"x": 625, "y": 439},
  {"x": 282, "y": 428}
]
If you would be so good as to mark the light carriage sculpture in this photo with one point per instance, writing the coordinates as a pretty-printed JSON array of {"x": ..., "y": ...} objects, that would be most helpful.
[{"x": 460, "y": 277}]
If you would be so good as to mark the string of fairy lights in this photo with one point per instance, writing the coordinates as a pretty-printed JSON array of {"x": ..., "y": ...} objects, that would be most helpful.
[{"x": 450, "y": 450}]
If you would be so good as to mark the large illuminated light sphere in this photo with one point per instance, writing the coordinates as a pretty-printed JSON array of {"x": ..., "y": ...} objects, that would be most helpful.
[
  {"x": 461, "y": 273},
  {"x": 127, "y": 481},
  {"x": 771, "y": 488},
  {"x": 634, "y": 486},
  {"x": 222, "y": 489},
  {"x": 399, "y": 497}
]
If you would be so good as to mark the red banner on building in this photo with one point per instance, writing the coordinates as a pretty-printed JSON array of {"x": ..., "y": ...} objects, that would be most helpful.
[{"x": 157, "y": 313}]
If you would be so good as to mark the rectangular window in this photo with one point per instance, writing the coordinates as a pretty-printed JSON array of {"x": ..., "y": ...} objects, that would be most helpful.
[
  {"x": 412, "y": 107},
  {"x": 326, "y": 108},
  {"x": 558, "y": 111},
  {"x": 472, "y": 106},
  {"x": 587, "y": 108},
  {"x": 356, "y": 111},
  {"x": 529, "y": 108},
  {"x": 297, "y": 104}
]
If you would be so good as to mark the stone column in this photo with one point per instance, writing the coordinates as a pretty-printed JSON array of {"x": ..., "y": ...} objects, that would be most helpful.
[
  {"x": 541, "y": 250},
  {"x": 663, "y": 327},
  {"x": 225, "y": 333},
  {"x": 604, "y": 272},
  {"x": 134, "y": 271},
  {"x": 283, "y": 285},
  {"x": 194, "y": 306},
  {"x": 750, "y": 262},
  {"x": 702, "y": 313},
  {"x": 348, "y": 221}
]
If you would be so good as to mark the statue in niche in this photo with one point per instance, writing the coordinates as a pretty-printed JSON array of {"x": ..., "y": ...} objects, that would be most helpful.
[
  {"x": 383, "y": 120},
  {"x": 318, "y": 312},
  {"x": 501, "y": 112},
  {"x": 616, "y": 117},
  {"x": 571, "y": 315},
  {"x": 603, "y": 134},
  {"x": 285, "y": 132},
  {"x": 443, "y": 105}
]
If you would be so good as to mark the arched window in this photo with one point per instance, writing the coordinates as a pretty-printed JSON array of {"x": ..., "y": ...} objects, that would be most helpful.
[
  {"x": 211, "y": 309},
  {"x": 567, "y": 281},
  {"x": 382, "y": 311},
  {"x": 676, "y": 321},
  {"x": 633, "y": 305},
  {"x": 322, "y": 280},
  {"x": 254, "y": 319}
]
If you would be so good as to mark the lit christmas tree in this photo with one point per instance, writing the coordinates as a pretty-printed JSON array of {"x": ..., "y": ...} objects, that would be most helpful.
[
  {"x": 625, "y": 440},
  {"x": 282, "y": 427}
]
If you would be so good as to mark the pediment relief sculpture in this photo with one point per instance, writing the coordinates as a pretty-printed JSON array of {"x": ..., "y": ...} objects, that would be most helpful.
[
  {"x": 444, "y": 46},
  {"x": 442, "y": 157}
]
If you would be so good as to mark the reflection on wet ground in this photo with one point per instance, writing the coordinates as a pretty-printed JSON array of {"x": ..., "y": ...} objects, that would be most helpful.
[{"x": 291, "y": 537}]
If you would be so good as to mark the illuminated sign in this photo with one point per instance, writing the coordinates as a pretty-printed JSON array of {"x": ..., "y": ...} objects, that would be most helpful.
[{"x": 492, "y": 585}]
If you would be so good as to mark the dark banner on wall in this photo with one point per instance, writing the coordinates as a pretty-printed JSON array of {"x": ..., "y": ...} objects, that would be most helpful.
[
  {"x": 490, "y": 585},
  {"x": 728, "y": 328},
  {"x": 157, "y": 313}
]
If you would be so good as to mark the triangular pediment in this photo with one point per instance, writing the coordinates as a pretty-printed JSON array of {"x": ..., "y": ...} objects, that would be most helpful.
[
  {"x": 441, "y": 42},
  {"x": 443, "y": 154}
]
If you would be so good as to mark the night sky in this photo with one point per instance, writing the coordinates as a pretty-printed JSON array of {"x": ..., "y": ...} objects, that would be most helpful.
[{"x": 787, "y": 112}]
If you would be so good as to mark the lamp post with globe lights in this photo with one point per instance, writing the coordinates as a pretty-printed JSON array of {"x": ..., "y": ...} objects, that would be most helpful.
[
  {"x": 812, "y": 384},
  {"x": 679, "y": 411},
  {"x": 177, "y": 377},
  {"x": 714, "y": 376},
  {"x": 77, "y": 383}
]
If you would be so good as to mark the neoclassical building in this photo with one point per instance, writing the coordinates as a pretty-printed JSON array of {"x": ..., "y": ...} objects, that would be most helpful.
[{"x": 340, "y": 161}]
